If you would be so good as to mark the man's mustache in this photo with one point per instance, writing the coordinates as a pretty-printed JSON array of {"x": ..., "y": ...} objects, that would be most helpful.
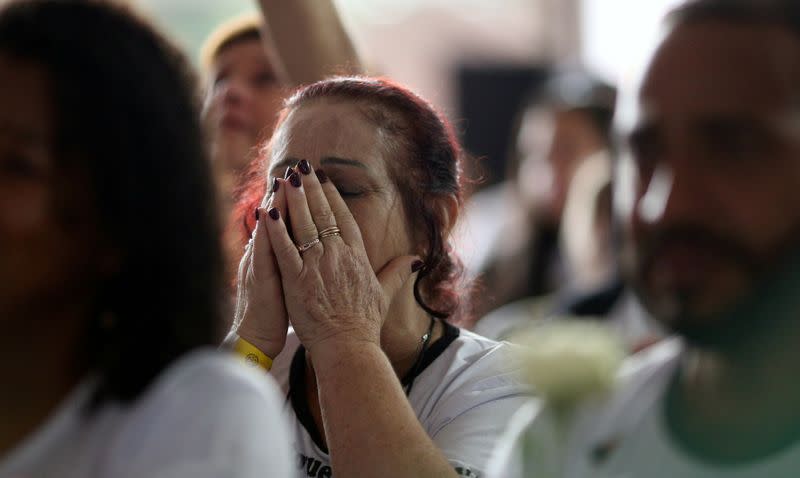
[{"x": 729, "y": 248}]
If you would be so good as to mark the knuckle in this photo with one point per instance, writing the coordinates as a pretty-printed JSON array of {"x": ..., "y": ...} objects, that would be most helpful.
[
  {"x": 326, "y": 217},
  {"x": 287, "y": 248},
  {"x": 307, "y": 230}
]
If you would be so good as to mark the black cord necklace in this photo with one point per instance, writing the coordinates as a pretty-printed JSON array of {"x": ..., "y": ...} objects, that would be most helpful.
[{"x": 426, "y": 338}]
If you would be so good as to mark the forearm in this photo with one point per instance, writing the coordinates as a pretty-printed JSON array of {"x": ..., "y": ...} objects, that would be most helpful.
[
  {"x": 308, "y": 39},
  {"x": 370, "y": 427}
]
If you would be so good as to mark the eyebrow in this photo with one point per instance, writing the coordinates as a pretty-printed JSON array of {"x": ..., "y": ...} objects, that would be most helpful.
[{"x": 327, "y": 160}]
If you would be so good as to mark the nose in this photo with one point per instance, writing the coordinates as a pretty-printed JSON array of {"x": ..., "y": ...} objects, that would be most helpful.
[
  {"x": 233, "y": 93},
  {"x": 674, "y": 195}
]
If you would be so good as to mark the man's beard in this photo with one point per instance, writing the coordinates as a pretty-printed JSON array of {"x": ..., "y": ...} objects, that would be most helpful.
[{"x": 772, "y": 298}]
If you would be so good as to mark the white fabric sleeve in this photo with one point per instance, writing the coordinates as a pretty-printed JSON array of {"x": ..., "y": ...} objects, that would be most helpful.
[
  {"x": 213, "y": 418},
  {"x": 468, "y": 439},
  {"x": 530, "y": 446}
]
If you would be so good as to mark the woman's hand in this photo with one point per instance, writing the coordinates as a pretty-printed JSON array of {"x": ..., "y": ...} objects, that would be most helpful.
[
  {"x": 332, "y": 295},
  {"x": 261, "y": 316}
]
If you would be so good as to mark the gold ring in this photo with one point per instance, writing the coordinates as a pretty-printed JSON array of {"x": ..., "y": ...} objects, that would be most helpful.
[
  {"x": 329, "y": 232},
  {"x": 308, "y": 245}
]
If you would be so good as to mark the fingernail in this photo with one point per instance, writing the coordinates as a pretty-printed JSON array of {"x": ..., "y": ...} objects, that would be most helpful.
[
  {"x": 274, "y": 213},
  {"x": 289, "y": 172},
  {"x": 294, "y": 180},
  {"x": 275, "y": 185},
  {"x": 417, "y": 266},
  {"x": 256, "y": 214},
  {"x": 323, "y": 178},
  {"x": 304, "y": 167}
]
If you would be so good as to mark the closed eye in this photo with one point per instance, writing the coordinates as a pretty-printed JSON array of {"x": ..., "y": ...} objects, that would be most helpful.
[{"x": 348, "y": 193}]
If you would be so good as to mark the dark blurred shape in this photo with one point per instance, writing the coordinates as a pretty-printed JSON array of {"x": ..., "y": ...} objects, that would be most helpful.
[
  {"x": 127, "y": 120},
  {"x": 555, "y": 229},
  {"x": 489, "y": 97}
]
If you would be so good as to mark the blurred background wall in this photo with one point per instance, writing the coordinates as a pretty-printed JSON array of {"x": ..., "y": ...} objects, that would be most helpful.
[{"x": 475, "y": 59}]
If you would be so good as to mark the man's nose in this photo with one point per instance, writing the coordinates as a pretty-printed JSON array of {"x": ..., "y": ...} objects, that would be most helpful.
[{"x": 673, "y": 196}]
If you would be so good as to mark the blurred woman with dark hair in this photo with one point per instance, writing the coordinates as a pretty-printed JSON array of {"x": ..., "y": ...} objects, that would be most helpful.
[
  {"x": 357, "y": 259},
  {"x": 110, "y": 261}
]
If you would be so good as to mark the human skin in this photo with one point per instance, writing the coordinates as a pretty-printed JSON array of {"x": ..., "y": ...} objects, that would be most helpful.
[
  {"x": 717, "y": 146},
  {"x": 350, "y": 298}
]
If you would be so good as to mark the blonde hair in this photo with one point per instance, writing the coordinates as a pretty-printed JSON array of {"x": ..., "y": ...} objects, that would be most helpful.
[{"x": 235, "y": 29}]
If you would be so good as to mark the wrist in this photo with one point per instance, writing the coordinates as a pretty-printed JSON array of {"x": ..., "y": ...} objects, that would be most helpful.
[
  {"x": 252, "y": 355},
  {"x": 271, "y": 348},
  {"x": 343, "y": 353}
]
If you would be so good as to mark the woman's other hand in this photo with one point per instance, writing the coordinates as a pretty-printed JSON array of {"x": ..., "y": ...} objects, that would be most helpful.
[{"x": 261, "y": 315}]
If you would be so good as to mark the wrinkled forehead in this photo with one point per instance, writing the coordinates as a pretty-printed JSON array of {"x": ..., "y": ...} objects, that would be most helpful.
[
  {"x": 717, "y": 68},
  {"x": 325, "y": 128}
]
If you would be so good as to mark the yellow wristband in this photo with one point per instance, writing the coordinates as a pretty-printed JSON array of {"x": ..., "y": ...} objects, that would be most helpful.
[{"x": 251, "y": 355}]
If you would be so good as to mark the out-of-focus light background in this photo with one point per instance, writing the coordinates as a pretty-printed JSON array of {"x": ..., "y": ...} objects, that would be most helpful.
[
  {"x": 609, "y": 36},
  {"x": 472, "y": 58}
]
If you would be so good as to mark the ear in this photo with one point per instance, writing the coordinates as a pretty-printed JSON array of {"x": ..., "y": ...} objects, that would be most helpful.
[
  {"x": 448, "y": 211},
  {"x": 449, "y": 204}
]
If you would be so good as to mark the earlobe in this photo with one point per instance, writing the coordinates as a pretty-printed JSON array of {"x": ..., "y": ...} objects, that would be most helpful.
[{"x": 450, "y": 212}]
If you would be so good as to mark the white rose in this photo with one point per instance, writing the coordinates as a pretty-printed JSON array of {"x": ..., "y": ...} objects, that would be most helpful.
[{"x": 570, "y": 360}]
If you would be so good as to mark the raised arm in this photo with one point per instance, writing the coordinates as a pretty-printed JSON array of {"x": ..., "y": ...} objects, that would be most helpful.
[{"x": 309, "y": 41}]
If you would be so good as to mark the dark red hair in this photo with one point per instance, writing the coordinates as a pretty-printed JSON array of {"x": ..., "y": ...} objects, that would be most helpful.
[{"x": 426, "y": 173}]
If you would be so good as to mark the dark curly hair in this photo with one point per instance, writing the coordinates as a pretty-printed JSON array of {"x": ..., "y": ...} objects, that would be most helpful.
[
  {"x": 426, "y": 172},
  {"x": 126, "y": 113}
]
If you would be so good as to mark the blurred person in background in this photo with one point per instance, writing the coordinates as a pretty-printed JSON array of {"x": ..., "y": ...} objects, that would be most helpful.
[
  {"x": 712, "y": 251},
  {"x": 250, "y": 63},
  {"x": 585, "y": 242},
  {"x": 558, "y": 130},
  {"x": 110, "y": 261},
  {"x": 379, "y": 382}
]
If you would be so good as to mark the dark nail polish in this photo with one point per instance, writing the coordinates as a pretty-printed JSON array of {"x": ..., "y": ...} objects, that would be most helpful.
[
  {"x": 275, "y": 185},
  {"x": 323, "y": 178},
  {"x": 274, "y": 213},
  {"x": 304, "y": 167},
  {"x": 417, "y": 266},
  {"x": 256, "y": 214},
  {"x": 294, "y": 180},
  {"x": 289, "y": 172}
]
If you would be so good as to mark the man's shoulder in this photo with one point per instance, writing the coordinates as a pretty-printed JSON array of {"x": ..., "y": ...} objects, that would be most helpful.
[{"x": 641, "y": 382}]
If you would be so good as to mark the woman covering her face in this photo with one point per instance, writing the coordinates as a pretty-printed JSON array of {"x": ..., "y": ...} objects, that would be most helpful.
[
  {"x": 110, "y": 262},
  {"x": 360, "y": 188}
]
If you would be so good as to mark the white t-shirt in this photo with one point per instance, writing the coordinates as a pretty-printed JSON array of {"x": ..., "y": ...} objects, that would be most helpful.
[
  {"x": 205, "y": 416},
  {"x": 464, "y": 395},
  {"x": 624, "y": 436}
]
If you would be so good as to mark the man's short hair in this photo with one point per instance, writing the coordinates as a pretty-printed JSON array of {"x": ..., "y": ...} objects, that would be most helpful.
[
  {"x": 242, "y": 28},
  {"x": 783, "y": 13}
]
